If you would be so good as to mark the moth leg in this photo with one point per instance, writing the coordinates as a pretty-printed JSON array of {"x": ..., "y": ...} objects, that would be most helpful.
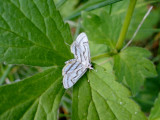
[
  {"x": 69, "y": 61},
  {"x": 67, "y": 43}
]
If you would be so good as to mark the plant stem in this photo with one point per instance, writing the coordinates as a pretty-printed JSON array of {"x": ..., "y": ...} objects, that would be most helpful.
[
  {"x": 139, "y": 26},
  {"x": 8, "y": 69},
  {"x": 125, "y": 26},
  {"x": 100, "y": 56}
]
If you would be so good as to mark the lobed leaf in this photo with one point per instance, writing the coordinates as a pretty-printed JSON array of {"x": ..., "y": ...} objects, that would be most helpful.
[
  {"x": 132, "y": 67},
  {"x": 34, "y": 35},
  {"x": 37, "y": 97},
  {"x": 98, "y": 96}
]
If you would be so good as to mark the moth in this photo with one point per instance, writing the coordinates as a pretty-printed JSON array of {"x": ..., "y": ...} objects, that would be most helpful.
[{"x": 75, "y": 68}]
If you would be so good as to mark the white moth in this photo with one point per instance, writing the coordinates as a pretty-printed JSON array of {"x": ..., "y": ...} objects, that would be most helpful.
[{"x": 75, "y": 68}]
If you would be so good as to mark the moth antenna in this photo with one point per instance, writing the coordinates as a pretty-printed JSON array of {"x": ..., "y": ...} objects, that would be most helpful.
[
  {"x": 67, "y": 44},
  {"x": 139, "y": 26},
  {"x": 94, "y": 70}
]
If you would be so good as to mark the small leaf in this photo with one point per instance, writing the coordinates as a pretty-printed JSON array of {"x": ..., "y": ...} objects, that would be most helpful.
[
  {"x": 34, "y": 34},
  {"x": 98, "y": 96},
  {"x": 155, "y": 112},
  {"x": 37, "y": 97},
  {"x": 102, "y": 29},
  {"x": 132, "y": 67}
]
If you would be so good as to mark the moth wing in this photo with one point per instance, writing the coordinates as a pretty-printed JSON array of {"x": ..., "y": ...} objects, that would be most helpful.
[
  {"x": 68, "y": 66},
  {"x": 72, "y": 73},
  {"x": 80, "y": 49}
]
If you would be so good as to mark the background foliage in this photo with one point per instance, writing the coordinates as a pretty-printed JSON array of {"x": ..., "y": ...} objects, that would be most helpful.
[{"x": 33, "y": 48}]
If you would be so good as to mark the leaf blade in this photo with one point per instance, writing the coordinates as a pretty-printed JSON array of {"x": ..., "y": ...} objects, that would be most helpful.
[
  {"x": 106, "y": 98},
  {"x": 36, "y": 97},
  {"x": 34, "y": 35},
  {"x": 132, "y": 67}
]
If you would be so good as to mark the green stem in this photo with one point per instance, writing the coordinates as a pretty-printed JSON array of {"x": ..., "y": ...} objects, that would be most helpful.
[
  {"x": 100, "y": 56},
  {"x": 125, "y": 26},
  {"x": 2, "y": 79}
]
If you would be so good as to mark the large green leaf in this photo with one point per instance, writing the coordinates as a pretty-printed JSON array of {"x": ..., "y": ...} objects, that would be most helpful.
[
  {"x": 97, "y": 96},
  {"x": 37, "y": 97},
  {"x": 155, "y": 113},
  {"x": 32, "y": 32},
  {"x": 132, "y": 67},
  {"x": 102, "y": 29}
]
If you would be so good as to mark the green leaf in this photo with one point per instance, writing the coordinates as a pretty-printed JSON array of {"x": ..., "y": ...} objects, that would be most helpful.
[
  {"x": 37, "y": 97},
  {"x": 98, "y": 96},
  {"x": 132, "y": 67},
  {"x": 34, "y": 34},
  {"x": 102, "y": 29},
  {"x": 90, "y": 5},
  {"x": 155, "y": 113}
]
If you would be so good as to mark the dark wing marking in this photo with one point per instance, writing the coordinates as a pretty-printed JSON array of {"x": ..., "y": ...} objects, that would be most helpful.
[
  {"x": 72, "y": 72},
  {"x": 80, "y": 49}
]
